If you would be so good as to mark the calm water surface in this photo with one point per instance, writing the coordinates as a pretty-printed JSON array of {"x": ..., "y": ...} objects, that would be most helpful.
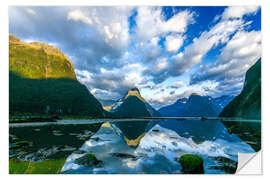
[{"x": 137, "y": 146}]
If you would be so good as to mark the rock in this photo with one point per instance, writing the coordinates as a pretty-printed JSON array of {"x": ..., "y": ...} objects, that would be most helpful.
[
  {"x": 155, "y": 130},
  {"x": 123, "y": 155},
  {"x": 88, "y": 160},
  {"x": 66, "y": 148},
  {"x": 191, "y": 164},
  {"x": 20, "y": 144},
  {"x": 86, "y": 137},
  {"x": 95, "y": 138},
  {"x": 225, "y": 164},
  {"x": 57, "y": 133},
  {"x": 79, "y": 151},
  {"x": 203, "y": 118}
]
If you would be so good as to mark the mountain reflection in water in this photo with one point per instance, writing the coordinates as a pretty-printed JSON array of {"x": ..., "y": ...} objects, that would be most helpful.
[
  {"x": 155, "y": 146},
  {"x": 139, "y": 146}
]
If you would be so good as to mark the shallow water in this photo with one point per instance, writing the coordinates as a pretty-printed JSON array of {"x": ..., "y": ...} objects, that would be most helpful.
[{"x": 138, "y": 146}]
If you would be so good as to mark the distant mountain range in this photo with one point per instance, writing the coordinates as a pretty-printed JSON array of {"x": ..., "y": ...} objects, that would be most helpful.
[
  {"x": 42, "y": 81},
  {"x": 248, "y": 103},
  {"x": 131, "y": 105},
  {"x": 196, "y": 106}
]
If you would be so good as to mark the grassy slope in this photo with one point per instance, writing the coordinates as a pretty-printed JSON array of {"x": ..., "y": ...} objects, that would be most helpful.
[
  {"x": 45, "y": 167},
  {"x": 41, "y": 76},
  {"x": 248, "y": 103},
  {"x": 38, "y": 60}
]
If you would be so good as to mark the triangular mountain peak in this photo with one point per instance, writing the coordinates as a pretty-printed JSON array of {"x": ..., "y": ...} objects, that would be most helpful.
[
  {"x": 195, "y": 94},
  {"x": 134, "y": 92}
]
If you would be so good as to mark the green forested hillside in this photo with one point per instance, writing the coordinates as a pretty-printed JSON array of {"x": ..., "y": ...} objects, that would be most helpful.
[
  {"x": 42, "y": 81},
  {"x": 38, "y": 61},
  {"x": 248, "y": 103}
]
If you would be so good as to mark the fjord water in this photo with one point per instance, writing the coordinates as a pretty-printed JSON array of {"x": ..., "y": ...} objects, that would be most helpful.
[{"x": 139, "y": 146}]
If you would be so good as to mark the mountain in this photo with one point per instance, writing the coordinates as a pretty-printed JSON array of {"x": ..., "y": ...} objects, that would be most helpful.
[
  {"x": 219, "y": 103},
  {"x": 174, "y": 110},
  {"x": 133, "y": 105},
  {"x": 42, "y": 81},
  {"x": 248, "y": 103},
  {"x": 196, "y": 106},
  {"x": 107, "y": 104}
]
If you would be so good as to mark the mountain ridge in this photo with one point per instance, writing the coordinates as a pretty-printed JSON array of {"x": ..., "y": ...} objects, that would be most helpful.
[
  {"x": 183, "y": 106},
  {"x": 248, "y": 103},
  {"x": 42, "y": 81},
  {"x": 133, "y": 103}
]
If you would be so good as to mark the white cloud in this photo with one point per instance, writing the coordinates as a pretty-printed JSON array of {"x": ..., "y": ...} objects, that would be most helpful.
[
  {"x": 31, "y": 11},
  {"x": 110, "y": 60},
  {"x": 78, "y": 15},
  {"x": 219, "y": 34},
  {"x": 173, "y": 42},
  {"x": 110, "y": 22},
  {"x": 239, "y": 54},
  {"x": 160, "y": 65},
  {"x": 151, "y": 26},
  {"x": 239, "y": 11},
  {"x": 151, "y": 22},
  {"x": 117, "y": 80},
  {"x": 177, "y": 84}
]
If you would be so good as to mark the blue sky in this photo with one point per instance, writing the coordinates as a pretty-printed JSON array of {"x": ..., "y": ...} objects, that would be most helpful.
[{"x": 167, "y": 52}]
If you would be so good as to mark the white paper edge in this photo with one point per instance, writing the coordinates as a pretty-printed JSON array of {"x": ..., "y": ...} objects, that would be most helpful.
[{"x": 249, "y": 164}]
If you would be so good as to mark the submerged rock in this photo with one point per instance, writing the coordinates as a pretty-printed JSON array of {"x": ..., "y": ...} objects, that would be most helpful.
[
  {"x": 95, "y": 138},
  {"x": 191, "y": 164},
  {"x": 79, "y": 151},
  {"x": 20, "y": 144},
  {"x": 123, "y": 155},
  {"x": 225, "y": 164},
  {"x": 88, "y": 160}
]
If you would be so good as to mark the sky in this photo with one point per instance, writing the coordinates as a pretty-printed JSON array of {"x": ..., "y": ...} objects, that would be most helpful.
[{"x": 167, "y": 52}]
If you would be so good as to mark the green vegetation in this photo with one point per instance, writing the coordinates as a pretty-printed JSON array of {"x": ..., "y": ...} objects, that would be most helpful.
[
  {"x": 91, "y": 156},
  {"x": 248, "y": 103},
  {"x": 42, "y": 82},
  {"x": 191, "y": 164},
  {"x": 38, "y": 60},
  {"x": 20, "y": 144},
  {"x": 88, "y": 160},
  {"x": 26, "y": 167}
]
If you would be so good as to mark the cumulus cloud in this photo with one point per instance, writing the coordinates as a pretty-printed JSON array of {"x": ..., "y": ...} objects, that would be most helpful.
[
  {"x": 30, "y": 11},
  {"x": 78, "y": 15},
  {"x": 194, "y": 53},
  {"x": 151, "y": 22},
  {"x": 152, "y": 26},
  {"x": 90, "y": 36},
  {"x": 111, "y": 54},
  {"x": 173, "y": 43},
  {"x": 117, "y": 81},
  {"x": 239, "y": 54},
  {"x": 177, "y": 84},
  {"x": 239, "y": 11}
]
